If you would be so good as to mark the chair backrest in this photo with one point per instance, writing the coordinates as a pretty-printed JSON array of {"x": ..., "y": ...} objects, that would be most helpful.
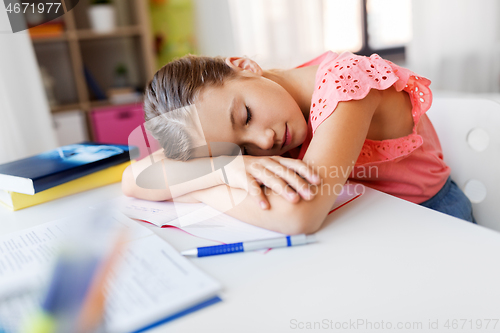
[{"x": 469, "y": 132}]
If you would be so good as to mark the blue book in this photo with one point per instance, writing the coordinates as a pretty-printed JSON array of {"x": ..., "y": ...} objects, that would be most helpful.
[
  {"x": 55, "y": 167},
  {"x": 179, "y": 314}
]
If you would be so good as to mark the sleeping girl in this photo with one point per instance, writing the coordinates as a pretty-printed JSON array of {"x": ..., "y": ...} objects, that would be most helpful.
[{"x": 340, "y": 112}]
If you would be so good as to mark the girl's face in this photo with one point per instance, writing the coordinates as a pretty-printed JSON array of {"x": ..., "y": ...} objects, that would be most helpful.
[{"x": 253, "y": 112}]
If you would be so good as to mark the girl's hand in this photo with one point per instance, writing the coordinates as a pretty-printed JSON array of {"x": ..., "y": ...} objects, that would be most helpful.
[{"x": 288, "y": 177}]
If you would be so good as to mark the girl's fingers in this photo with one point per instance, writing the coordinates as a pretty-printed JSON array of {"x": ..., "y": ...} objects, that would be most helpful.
[
  {"x": 300, "y": 168},
  {"x": 276, "y": 184},
  {"x": 256, "y": 192},
  {"x": 289, "y": 176}
]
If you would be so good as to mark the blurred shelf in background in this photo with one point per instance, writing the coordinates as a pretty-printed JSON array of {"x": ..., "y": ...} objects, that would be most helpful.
[
  {"x": 118, "y": 32},
  {"x": 44, "y": 39},
  {"x": 83, "y": 69}
]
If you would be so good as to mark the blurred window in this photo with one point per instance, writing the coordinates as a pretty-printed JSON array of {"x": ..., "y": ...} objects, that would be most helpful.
[
  {"x": 287, "y": 32},
  {"x": 367, "y": 26},
  {"x": 343, "y": 25},
  {"x": 388, "y": 25}
]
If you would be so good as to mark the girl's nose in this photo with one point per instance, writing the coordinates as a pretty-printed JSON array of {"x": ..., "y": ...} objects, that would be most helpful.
[{"x": 266, "y": 139}]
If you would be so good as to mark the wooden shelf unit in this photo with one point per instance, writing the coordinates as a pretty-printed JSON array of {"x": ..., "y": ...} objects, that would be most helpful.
[{"x": 65, "y": 56}]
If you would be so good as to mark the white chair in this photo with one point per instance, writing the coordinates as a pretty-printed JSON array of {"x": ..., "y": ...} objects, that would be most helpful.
[{"x": 469, "y": 131}]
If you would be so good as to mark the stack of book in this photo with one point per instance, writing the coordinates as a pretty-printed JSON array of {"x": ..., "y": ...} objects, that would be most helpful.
[{"x": 61, "y": 172}]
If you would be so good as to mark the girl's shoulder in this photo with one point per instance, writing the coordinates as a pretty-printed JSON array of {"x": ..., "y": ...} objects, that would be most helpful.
[{"x": 348, "y": 77}]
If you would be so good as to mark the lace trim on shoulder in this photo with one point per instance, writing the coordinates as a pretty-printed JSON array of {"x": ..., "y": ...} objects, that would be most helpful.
[
  {"x": 374, "y": 152},
  {"x": 348, "y": 77}
]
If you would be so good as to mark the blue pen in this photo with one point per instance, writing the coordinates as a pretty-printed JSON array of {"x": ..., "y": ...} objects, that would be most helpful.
[{"x": 205, "y": 251}]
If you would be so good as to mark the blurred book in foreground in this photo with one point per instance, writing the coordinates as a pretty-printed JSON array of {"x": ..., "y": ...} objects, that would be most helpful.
[{"x": 151, "y": 284}]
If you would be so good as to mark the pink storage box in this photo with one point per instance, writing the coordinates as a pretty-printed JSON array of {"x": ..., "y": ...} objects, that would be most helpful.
[{"x": 116, "y": 124}]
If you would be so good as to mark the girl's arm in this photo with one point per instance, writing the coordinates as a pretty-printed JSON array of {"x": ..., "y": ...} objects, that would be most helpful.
[
  {"x": 146, "y": 179},
  {"x": 335, "y": 147},
  {"x": 149, "y": 179}
]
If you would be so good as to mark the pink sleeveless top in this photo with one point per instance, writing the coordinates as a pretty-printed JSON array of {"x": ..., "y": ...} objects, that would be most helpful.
[{"x": 410, "y": 167}]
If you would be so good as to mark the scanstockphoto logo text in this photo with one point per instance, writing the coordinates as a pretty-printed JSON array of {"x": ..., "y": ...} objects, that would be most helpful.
[
  {"x": 448, "y": 324},
  {"x": 354, "y": 324}
]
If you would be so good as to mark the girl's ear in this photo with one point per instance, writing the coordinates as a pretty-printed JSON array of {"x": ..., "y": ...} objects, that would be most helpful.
[{"x": 244, "y": 64}]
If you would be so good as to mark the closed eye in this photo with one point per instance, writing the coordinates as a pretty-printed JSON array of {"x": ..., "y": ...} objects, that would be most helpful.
[{"x": 249, "y": 115}]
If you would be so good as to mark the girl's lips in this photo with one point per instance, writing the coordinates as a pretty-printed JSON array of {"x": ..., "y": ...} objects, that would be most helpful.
[{"x": 287, "y": 137}]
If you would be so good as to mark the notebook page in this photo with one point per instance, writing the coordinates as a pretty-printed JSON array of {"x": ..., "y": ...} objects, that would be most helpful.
[
  {"x": 152, "y": 282},
  {"x": 26, "y": 255},
  {"x": 204, "y": 221},
  {"x": 349, "y": 192},
  {"x": 227, "y": 229},
  {"x": 159, "y": 213},
  {"x": 199, "y": 220}
]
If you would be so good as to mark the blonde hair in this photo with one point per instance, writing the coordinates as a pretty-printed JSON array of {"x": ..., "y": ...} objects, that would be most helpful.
[{"x": 173, "y": 87}]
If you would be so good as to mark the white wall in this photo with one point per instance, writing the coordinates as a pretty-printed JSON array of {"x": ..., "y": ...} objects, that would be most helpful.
[
  {"x": 213, "y": 28},
  {"x": 25, "y": 123},
  {"x": 456, "y": 44}
]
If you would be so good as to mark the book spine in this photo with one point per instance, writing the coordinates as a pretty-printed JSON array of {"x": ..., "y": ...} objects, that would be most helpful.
[{"x": 101, "y": 178}]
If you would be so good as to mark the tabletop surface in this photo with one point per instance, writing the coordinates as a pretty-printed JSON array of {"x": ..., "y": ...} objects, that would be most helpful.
[{"x": 380, "y": 263}]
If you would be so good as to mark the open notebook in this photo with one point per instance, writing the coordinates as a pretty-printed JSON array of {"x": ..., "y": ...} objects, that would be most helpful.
[
  {"x": 152, "y": 284},
  {"x": 205, "y": 222}
]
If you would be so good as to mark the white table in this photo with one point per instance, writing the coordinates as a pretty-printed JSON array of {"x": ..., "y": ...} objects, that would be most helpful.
[{"x": 378, "y": 261}]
